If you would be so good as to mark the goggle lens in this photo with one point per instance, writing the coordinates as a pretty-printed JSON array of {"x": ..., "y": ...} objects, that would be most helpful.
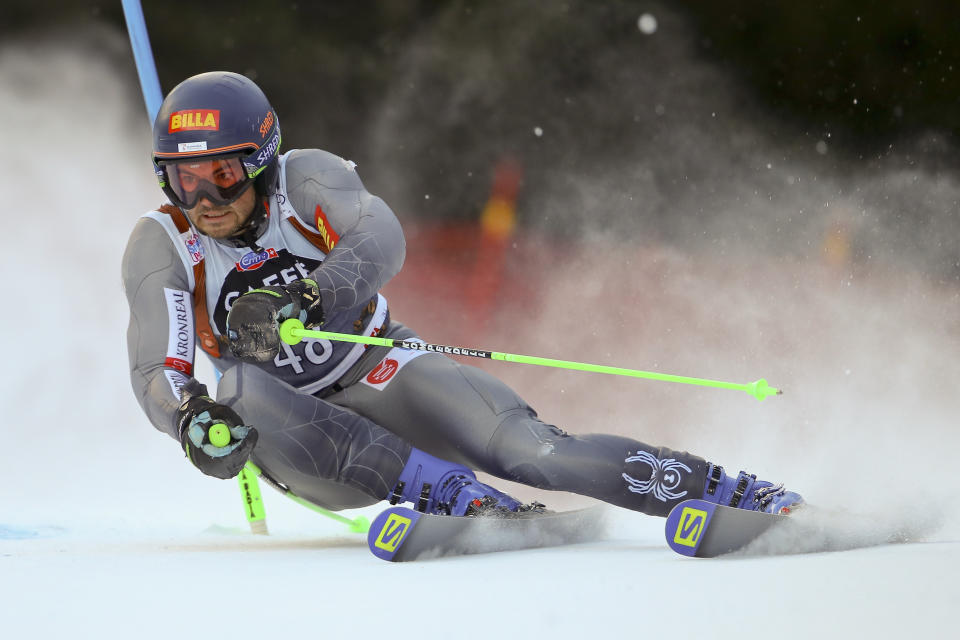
[{"x": 221, "y": 180}]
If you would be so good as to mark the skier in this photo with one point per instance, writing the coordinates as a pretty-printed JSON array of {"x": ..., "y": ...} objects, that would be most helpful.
[{"x": 251, "y": 238}]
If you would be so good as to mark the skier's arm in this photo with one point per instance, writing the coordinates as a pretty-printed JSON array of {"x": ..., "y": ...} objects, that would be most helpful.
[
  {"x": 160, "y": 337},
  {"x": 368, "y": 246}
]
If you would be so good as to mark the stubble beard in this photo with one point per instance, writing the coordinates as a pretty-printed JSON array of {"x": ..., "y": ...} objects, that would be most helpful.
[{"x": 223, "y": 221}]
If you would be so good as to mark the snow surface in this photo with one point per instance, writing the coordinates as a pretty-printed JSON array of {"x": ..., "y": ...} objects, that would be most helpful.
[{"x": 106, "y": 531}]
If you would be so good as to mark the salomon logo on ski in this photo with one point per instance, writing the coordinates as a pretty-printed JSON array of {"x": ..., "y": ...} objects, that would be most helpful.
[
  {"x": 690, "y": 528},
  {"x": 392, "y": 533}
]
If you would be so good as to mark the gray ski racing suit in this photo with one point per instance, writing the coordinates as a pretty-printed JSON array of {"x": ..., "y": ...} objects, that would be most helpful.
[{"x": 337, "y": 420}]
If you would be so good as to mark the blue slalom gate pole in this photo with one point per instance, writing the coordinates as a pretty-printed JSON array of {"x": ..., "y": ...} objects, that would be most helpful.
[{"x": 143, "y": 56}]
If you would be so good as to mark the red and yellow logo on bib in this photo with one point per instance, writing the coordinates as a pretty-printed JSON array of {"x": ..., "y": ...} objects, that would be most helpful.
[{"x": 195, "y": 120}]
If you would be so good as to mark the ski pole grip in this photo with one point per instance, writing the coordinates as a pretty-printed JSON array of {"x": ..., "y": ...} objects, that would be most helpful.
[
  {"x": 291, "y": 331},
  {"x": 219, "y": 435}
]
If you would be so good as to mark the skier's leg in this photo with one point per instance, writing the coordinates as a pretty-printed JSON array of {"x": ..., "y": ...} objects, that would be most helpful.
[
  {"x": 464, "y": 414},
  {"x": 337, "y": 459},
  {"x": 323, "y": 453}
]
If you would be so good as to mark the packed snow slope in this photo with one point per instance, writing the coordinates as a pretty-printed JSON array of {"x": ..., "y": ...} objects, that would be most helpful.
[{"x": 106, "y": 531}]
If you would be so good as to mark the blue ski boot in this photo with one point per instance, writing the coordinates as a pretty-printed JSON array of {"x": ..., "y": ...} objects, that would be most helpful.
[
  {"x": 446, "y": 488},
  {"x": 746, "y": 492}
]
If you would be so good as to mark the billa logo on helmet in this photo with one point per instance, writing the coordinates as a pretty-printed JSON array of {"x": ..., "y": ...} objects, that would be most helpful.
[{"x": 195, "y": 120}]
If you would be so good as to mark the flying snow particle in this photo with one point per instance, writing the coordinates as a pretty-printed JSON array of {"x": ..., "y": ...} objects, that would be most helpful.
[
  {"x": 822, "y": 148},
  {"x": 647, "y": 24},
  {"x": 537, "y": 131}
]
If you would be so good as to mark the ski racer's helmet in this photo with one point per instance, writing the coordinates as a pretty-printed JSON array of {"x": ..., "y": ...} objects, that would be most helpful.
[{"x": 222, "y": 117}]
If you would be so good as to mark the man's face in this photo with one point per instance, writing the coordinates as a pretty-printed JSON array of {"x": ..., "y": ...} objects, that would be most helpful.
[
  {"x": 219, "y": 191},
  {"x": 223, "y": 221}
]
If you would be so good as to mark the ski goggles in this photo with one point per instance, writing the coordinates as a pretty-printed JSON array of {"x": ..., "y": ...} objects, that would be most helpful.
[{"x": 220, "y": 179}]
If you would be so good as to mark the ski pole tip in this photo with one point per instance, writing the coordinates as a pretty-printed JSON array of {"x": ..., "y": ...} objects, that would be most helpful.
[
  {"x": 760, "y": 389},
  {"x": 360, "y": 524}
]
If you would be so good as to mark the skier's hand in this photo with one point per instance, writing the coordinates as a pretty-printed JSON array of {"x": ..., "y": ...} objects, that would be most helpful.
[
  {"x": 254, "y": 319},
  {"x": 225, "y": 457}
]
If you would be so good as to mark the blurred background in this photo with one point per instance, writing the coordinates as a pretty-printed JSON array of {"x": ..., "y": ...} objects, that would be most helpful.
[
  {"x": 729, "y": 190},
  {"x": 654, "y": 101}
]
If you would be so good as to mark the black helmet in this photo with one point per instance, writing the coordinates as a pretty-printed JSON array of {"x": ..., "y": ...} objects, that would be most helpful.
[{"x": 219, "y": 114}]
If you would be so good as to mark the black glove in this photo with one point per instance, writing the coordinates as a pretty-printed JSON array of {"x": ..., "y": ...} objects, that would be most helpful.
[
  {"x": 254, "y": 320},
  {"x": 197, "y": 413}
]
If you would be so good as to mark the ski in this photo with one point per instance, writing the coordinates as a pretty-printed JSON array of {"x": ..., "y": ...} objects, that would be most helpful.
[
  {"x": 400, "y": 534},
  {"x": 702, "y": 529}
]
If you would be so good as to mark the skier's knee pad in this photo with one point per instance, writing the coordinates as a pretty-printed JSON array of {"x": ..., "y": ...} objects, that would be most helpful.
[{"x": 523, "y": 447}]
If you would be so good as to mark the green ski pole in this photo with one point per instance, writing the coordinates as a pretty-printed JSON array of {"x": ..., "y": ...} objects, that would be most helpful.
[
  {"x": 292, "y": 332},
  {"x": 252, "y": 502},
  {"x": 360, "y": 524}
]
